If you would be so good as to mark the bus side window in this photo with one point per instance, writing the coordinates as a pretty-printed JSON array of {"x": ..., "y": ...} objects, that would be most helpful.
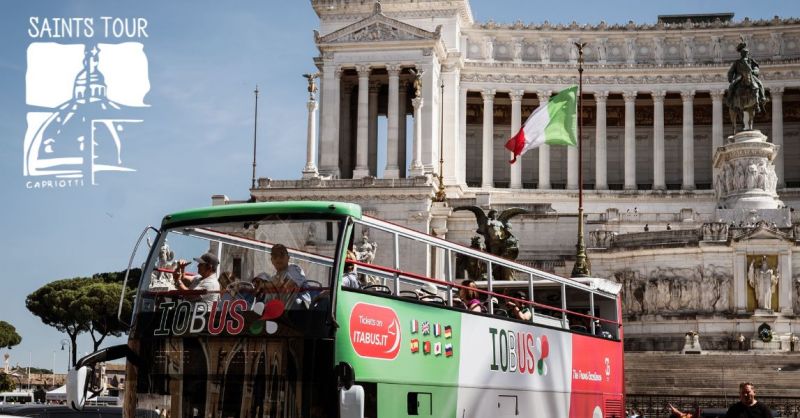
[{"x": 420, "y": 404}]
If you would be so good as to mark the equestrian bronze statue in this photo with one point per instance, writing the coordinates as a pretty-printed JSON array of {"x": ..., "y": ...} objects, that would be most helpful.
[
  {"x": 746, "y": 95},
  {"x": 497, "y": 237}
]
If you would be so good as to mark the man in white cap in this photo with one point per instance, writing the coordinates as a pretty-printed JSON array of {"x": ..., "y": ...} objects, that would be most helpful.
[{"x": 206, "y": 279}]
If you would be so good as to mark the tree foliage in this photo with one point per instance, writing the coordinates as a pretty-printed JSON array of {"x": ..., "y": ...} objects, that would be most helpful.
[
  {"x": 8, "y": 335},
  {"x": 83, "y": 304},
  {"x": 6, "y": 383}
]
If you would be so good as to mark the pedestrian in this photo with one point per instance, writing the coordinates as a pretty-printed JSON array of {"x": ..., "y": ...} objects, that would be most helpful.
[
  {"x": 646, "y": 228},
  {"x": 669, "y": 228},
  {"x": 748, "y": 406}
]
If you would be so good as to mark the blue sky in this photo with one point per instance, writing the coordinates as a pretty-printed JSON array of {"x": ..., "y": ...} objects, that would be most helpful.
[{"x": 204, "y": 59}]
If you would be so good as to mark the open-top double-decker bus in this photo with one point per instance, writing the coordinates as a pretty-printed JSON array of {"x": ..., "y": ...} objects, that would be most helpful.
[{"x": 400, "y": 344}]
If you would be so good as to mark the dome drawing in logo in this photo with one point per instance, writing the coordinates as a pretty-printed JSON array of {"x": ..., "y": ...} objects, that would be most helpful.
[{"x": 81, "y": 135}]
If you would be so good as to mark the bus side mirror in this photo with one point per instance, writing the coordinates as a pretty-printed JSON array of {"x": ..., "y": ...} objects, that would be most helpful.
[
  {"x": 77, "y": 386},
  {"x": 345, "y": 375},
  {"x": 351, "y": 402}
]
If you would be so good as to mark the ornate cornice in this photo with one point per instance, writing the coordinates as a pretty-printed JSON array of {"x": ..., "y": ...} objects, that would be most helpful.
[
  {"x": 718, "y": 79},
  {"x": 631, "y": 26}
]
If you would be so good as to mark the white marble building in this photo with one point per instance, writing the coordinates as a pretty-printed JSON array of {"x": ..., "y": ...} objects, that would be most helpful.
[{"x": 653, "y": 118}]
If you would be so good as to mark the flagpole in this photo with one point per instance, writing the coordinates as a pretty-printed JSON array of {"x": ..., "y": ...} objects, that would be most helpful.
[
  {"x": 255, "y": 136},
  {"x": 582, "y": 266}
]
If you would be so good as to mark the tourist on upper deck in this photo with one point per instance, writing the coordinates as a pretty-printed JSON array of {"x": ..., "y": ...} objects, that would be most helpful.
[
  {"x": 350, "y": 277},
  {"x": 206, "y": 279},
  {"x": 519, "y": 310},
  {"x": 287, "y": 280},
  {"x": 469, "y": 297}
]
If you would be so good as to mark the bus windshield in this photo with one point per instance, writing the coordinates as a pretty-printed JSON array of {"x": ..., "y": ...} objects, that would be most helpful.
[{"x": 222, "y": 305}]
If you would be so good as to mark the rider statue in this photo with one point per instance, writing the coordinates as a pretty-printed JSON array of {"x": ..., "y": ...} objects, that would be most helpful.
[{"x": 746, "y": 93}]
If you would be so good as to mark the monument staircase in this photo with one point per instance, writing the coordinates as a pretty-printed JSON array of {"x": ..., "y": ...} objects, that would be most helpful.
[{"x": 653, "y": 379}]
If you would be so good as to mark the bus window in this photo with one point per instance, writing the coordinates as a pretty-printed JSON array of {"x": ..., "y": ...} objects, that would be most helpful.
[{"x": 376, "y": 247}]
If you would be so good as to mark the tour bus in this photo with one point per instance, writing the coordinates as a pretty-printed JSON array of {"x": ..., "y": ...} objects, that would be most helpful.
[{"x": 399, "y": 344}]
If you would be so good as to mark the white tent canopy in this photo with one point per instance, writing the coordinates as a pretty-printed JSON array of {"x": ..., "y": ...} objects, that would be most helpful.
[{"x": 57, "y": 394}]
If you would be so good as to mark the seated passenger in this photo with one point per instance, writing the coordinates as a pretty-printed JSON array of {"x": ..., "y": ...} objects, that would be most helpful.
[
  {"x": 287, "y": 280},
  {"x": 350, "y": 277},
  {"x": 469, "y": 297},
  {"x": 206, "y": 278},
  {"x": 519, "y": 310}
]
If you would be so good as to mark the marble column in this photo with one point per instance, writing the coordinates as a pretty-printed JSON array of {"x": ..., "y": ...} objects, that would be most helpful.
[
  {"x": 572, "y": 167},
  {"x": 374, "y": 89},
  {"x": 392, "y": 170},
  {"x": 416, "y": 165},
  {"x": 310, "y": 170},
  {"x": 516, "y": 123},
  {"x": 402, "y": 135},
  {"x": 544, "y": 150},
  {"x": 601, "y": 151},
  {"x": 462, "y": 134},
  {"x": 716, "y": 119},
  {"x": 786, "y": 283},
  {"x": 740, "y": 282},
  {"x": 329, "y": 135},
  {"x": 688, "y": 139},
  {"x": 346, "y": 152},
  {"x": 362, "y": 126},
  {"x": 630, "y": 139},
  {"x": 776, "y": 96},
  {"x": 659, "y": 182},
  {"x": 487, "y": 171}
]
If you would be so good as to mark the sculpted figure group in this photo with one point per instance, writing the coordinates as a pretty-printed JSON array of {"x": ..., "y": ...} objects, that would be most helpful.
[
  {"x": 700, "y": 289},
  {"x": 745, "y": 174}
]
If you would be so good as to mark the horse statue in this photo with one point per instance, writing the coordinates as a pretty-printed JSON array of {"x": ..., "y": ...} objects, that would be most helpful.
[
  {"x": 746, "y": 95},
  {"x": 497, "y": 237}
]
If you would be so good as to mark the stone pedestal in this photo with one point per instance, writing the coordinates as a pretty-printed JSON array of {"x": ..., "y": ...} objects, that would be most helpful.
[{"x": 744, "y": 173}]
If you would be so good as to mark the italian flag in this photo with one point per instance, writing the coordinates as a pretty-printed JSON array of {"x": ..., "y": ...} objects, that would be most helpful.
[{"x": 553, "y": 124}]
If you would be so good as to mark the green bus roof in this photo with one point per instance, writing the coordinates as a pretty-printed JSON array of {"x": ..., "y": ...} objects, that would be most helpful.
[{"x": 263, "y": 208}]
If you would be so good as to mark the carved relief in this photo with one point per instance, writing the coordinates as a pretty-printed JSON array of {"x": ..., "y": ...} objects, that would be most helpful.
[
  {"x": 378, "y": 32},
  {"x": 544, "y": 50},
  {"x": 601, "y": 238},
  {"x": 658, "y": 50},
  {"x": 665, "y": 290},
  {"x": 715, "y": 231},
  {"x": 488, "y": 48},
  {"x": 630, "y": 45},
  {"x": 688, "y": 49},
  {"x": 745, "y": 174}
]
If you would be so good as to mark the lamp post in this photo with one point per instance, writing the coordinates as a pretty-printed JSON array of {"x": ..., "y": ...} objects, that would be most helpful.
[
  {"x": 66, "y": 342},
  {"x": 582, "y": 266}
]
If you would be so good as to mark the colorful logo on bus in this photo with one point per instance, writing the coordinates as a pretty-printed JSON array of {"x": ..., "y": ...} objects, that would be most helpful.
[
  {"x": 375, "y": 331},
  {"x": 519, "y": 351}
]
